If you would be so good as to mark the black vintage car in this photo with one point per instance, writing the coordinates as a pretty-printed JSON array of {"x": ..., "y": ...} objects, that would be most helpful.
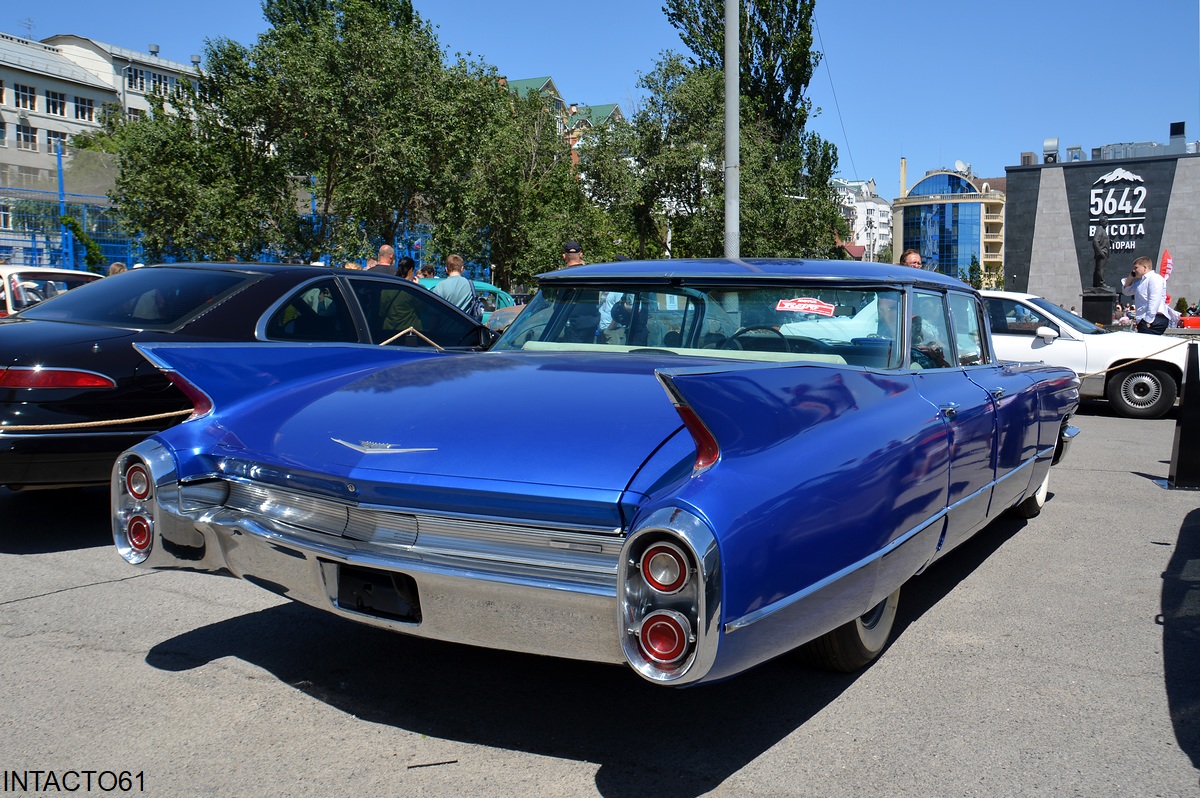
[{"x": 74, "y": 393}]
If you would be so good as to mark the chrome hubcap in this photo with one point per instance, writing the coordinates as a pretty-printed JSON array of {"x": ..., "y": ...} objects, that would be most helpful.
[{"x": 1141, "y": 390}]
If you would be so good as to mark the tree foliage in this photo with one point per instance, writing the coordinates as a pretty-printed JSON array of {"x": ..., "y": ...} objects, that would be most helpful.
[
  {"x": 777, "y": 59},
  {"x": 661, "y": 174},
  {"x": 344, "y": 125}
]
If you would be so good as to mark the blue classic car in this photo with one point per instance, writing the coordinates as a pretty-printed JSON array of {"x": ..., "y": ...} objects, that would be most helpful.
[{"x": 743, "y": 458}]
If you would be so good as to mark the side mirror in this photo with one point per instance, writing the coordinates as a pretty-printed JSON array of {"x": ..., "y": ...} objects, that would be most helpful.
[{"x": 1046, "y": 334}]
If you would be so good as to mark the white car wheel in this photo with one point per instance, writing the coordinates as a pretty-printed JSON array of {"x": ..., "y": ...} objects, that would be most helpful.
[{"x": 1032, "y": 505}]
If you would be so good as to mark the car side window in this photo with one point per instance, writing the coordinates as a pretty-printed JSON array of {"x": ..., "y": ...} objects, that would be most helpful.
[
  {"x": 930, "y": 343},
  {"x": 404, "y": 314},
  {"x": 317, "y": 312},
  {"x": 1010, "y": 317},
  {"x": 970, "y": 342}
]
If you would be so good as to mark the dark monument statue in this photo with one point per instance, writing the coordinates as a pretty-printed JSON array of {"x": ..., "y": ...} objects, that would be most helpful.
[
  {"x": 1098, "y": 301},
  {"x": 1100, "y": 249}
]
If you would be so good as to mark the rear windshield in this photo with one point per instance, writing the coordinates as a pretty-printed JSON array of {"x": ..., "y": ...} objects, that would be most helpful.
[{"x": 156, "y": 298}]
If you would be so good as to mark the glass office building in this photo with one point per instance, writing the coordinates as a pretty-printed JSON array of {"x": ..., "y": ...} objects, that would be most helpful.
[{"x": 953, "y": 223}]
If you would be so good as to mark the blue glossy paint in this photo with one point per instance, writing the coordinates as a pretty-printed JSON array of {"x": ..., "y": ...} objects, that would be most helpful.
[{"x": 820, "y": 467}]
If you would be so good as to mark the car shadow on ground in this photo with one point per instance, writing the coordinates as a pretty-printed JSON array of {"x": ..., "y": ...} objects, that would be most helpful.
[
  {"x": 46, "y": 521},
  {"x": 1180, "y": 620},
  {"x": 645, "y": 738}
]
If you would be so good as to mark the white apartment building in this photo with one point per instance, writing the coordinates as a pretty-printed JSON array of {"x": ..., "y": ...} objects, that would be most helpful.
[
  {"x": 53, "y": 89},
  {"x": 868, "y": 214}
]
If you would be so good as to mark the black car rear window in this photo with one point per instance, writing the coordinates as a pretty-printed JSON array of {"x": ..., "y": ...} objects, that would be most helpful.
[{"x": 157, "y": 298}]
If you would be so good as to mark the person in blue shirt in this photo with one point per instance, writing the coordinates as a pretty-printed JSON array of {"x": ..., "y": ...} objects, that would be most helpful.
[{"x": 456, "y": 289}]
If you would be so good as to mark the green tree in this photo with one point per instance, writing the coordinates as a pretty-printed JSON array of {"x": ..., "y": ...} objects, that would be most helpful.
[
  {"x": 506, "y": 180},
  {"x": 884, "y": 253},
  {"x": 974, "y": 274},
  {"x": 777, "y": 64},
  {"x": 348, "y": 90},
  {"x": 777, "y": 59},
  {"x": 660, "y": 176}
]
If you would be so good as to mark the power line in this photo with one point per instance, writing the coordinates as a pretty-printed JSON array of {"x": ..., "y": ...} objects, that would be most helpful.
[{"x": 836, "y": 105}]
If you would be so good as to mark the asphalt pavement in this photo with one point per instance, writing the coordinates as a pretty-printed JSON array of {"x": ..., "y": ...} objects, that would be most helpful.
[{"x": 1057, "y": 656}]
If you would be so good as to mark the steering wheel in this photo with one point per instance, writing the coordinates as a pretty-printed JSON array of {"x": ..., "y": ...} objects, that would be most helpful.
[{"x": 755, "y": 328}]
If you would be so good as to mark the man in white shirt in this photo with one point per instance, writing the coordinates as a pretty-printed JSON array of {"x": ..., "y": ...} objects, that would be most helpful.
[{"x": 1149, "y": 292}]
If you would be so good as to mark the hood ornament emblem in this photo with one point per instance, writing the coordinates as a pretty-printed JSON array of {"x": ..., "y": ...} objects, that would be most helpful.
[{"x": 377, "y": 447}]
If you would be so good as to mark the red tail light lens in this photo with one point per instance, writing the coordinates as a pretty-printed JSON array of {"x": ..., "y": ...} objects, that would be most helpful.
[
  {"x": 707, "y": 449},
  {"x": 137, "y": 482},
  {"x": 664, "y": 637},
  {"x": 140, "y": 533},
  {"x": 665, "y": 568},
  {"x": 202, "y": 405},
  {"x": 39, "y": 377}
]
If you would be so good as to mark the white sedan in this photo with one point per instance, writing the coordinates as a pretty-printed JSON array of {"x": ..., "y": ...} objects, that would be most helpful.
[{"x": 1139, "y": 374}]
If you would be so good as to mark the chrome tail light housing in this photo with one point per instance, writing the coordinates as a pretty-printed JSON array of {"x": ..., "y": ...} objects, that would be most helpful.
[
  {"x": 133, "y": 508},
  {"x": 669, "y": 597}
]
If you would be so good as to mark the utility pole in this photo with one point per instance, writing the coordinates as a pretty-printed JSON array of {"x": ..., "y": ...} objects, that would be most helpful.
[{"x": 733, "y": 172}]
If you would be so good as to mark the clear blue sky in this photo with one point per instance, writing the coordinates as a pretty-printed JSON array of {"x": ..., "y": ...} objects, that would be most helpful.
[{"x": 932, "y": 80}]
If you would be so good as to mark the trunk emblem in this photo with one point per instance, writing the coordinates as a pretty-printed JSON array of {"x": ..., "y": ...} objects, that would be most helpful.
[{"x": 376, "y": 447}]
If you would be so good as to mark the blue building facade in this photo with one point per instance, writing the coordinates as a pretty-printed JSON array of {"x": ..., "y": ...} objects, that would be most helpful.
[{"x": 955, "y": 221}]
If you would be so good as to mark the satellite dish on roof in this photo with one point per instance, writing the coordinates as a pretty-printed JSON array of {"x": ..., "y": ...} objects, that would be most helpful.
[{"x": 959, "y": 166}]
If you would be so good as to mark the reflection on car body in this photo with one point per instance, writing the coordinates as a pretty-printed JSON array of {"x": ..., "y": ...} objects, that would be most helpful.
[{"x": 757, "y": 457}]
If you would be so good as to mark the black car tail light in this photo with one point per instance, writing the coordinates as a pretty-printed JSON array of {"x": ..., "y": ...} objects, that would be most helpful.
[{"x": 41, "y": 377}]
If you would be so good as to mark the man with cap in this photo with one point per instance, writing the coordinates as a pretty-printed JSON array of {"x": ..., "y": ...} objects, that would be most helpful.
[
  {"x": 583, "y": 323},
  {"x": 572, "y": 255}
]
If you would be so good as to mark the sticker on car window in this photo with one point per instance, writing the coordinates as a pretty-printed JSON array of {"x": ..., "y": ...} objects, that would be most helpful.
[{"x": 807, "y": 305}]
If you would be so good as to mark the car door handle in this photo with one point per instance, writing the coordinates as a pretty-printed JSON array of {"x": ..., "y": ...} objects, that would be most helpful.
[
  {"x": 949, "y": 410},
  {"x": 997, "y": 393}
]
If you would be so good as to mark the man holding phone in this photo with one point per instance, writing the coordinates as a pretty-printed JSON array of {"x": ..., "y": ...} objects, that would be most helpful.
[{"x": 1149, "y": 292}]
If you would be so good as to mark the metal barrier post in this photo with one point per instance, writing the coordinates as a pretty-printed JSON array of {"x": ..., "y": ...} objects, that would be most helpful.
[{"x": 1185, "y": 453}]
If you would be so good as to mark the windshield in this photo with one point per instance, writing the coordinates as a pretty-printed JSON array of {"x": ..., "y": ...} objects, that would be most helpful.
[
  {"x": 1066, "y": 317},
  {"x": 158, "y": 298},
  {"x": 792, "y": 322}
]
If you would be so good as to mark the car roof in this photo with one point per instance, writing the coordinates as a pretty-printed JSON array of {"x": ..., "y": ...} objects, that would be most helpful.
[
  {"x": 252, "y": 268},
  {"x": 1007, "y": 294},
  {"x": 8, "y": 268},
  {"x": 748, "y": 269},
  {"x": 430, "y": 282}
]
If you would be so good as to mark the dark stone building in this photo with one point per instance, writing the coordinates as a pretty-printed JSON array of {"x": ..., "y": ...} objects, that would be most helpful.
[{"x": 1054, "y": 210}]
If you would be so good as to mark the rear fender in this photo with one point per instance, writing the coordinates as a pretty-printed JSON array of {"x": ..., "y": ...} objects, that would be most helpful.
[{"x": 820, "y": 469}]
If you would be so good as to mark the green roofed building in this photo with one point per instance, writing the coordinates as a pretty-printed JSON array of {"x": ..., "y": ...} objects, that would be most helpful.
[{"x": 574, "y": 119}]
